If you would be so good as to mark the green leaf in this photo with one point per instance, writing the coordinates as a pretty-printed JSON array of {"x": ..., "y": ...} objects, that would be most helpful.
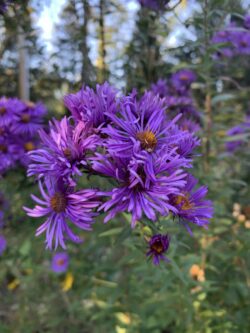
[{"x": 111, "y": 232}]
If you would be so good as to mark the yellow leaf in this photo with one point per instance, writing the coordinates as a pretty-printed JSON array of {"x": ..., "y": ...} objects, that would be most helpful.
[
  {"x": 124, "y": 318},
  {"x": 120, "y": 329},
  {"x": 13, "y": 284},
  {"x": 68, "y": 282}
]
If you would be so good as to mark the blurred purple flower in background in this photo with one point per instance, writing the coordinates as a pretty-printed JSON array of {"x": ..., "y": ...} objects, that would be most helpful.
[
  {"x": 241, "y": 129},
  {"x": 155, "y": 5},
  {"x": 4, "y": 5},
  {"x": 182, "y": 79},
  {"x": 60, "y": 262},
  {"x": 247, "y": 21},
  {"x": 3, "y": 244},
  {"x": 19, "y": 123},
  {"x": 158, "y": 246}
]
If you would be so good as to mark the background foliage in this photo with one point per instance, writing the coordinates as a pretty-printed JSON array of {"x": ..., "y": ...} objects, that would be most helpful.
[{"x": 110, "y": 286}]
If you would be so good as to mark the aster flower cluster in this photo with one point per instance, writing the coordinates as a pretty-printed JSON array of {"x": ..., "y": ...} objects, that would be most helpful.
[
  {"x": 155, "y": 5},
  {"x": 128, "y": 140},
  {"x": 242, "y": 129},
  {"x": 236, "y": 40},
  {"x": 177, "y": 96},
  {"x": 19, "y": 123}
]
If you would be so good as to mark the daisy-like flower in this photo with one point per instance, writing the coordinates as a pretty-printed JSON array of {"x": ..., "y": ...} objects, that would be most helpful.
[
  {"x": 63, "y": 207},
  {"x": 60, "y": 262},
  {"x": 143, "y": 185},
  {"x": 90, "y": 106},
  {"x": 191, "y": 205},
  {"x": 142, "y": 123},
  {"x": 182, "y": 79},
  {"x": 247, "y": 21},
  {"x": 28, "y": 119},
  {"x": 241, "y": 41},
  {"x": 9, "y": 154},
  {"x": 158, "y": 246},
  {"x": 160, "y": 88},
  {"x": 63, "y": 151},
  {"x": 6, "y": 111},
  {"x": 232, "y": 146},
  {"x": 4, "y": 5}
]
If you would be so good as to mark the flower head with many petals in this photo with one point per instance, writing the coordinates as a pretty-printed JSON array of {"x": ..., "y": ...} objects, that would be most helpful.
[
  {"x": 63, "y": 207},
  {"x": 64, "y": 150},
  {"x": 158, "y": 245},
  {"x": 191, "y": 205}
]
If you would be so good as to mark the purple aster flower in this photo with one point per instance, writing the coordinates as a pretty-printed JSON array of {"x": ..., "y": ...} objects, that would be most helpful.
[
  {"x": 3, "y": 244},
  {"x": 4, "y": 5},
  {"x": 90, "y": 106},
  {"x": 60, "y": 262},
  {"x": 247, "y": 21},
  {"x": 182, "y": 79},
  {"x": 62, "y": 207},
  {"x": 63, "y": 151},
  {"x": 154, "y": 4},
  {"x": 6, "y": 111},
  {"x": 29, "y": 119},
  {"x": 9, "y": 154},
  {"x": 241, "y": 41},
  {"x": 143, "y": 184},
  {"x": 158, "y": 246},
  {"x": 221, "y": 37},
  {"x": 142, "y": 124},
  {"x": 232, "y": 146},
  {"x": 189, "y": 125},
  {"x": 160, "y": 88},
  {"x": 191, "y": 205},
  {"x": 1, "y": 219}
]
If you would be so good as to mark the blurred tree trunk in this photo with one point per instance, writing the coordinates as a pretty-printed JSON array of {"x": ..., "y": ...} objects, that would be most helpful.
[
  {"x": 102, "y": 74},
  {"x": 86, "y": 63},
  {"x": 23, "y": 75}
]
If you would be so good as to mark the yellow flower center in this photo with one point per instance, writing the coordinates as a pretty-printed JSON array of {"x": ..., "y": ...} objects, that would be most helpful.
[
  {"x": 60, "y": 262},
  {"x": 184, "y": 77},
  {"x": 157, "y": 246},
  {"x": 67, "y": 153},
  {"x": 183, "y": 201},
  {"x": 28, "y": 146},
  {"x": 148, "y": 140},
  {"x": 58, "y": 202}
]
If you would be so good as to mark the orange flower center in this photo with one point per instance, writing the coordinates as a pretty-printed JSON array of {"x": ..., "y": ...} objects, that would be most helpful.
[
  {"x": 25, "y": 118},
  {"x": 3, "y": 148},
  {"x": 67, "y": 153},
  {"x": 2, "y": 111},
  {"x": 183, "y": 201},
  {"x": 58, "y": 202},
  {"x": 184, "y": 77},
  {"x": 148, "y": 140},
  {"x": 28, "y": 146},
  {"x": 60, "y": 262},
  {"x": 157, "y": 246}
]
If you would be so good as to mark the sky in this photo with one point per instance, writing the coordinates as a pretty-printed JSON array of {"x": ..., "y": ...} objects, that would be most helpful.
[{"x": 48, "y": 18}]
